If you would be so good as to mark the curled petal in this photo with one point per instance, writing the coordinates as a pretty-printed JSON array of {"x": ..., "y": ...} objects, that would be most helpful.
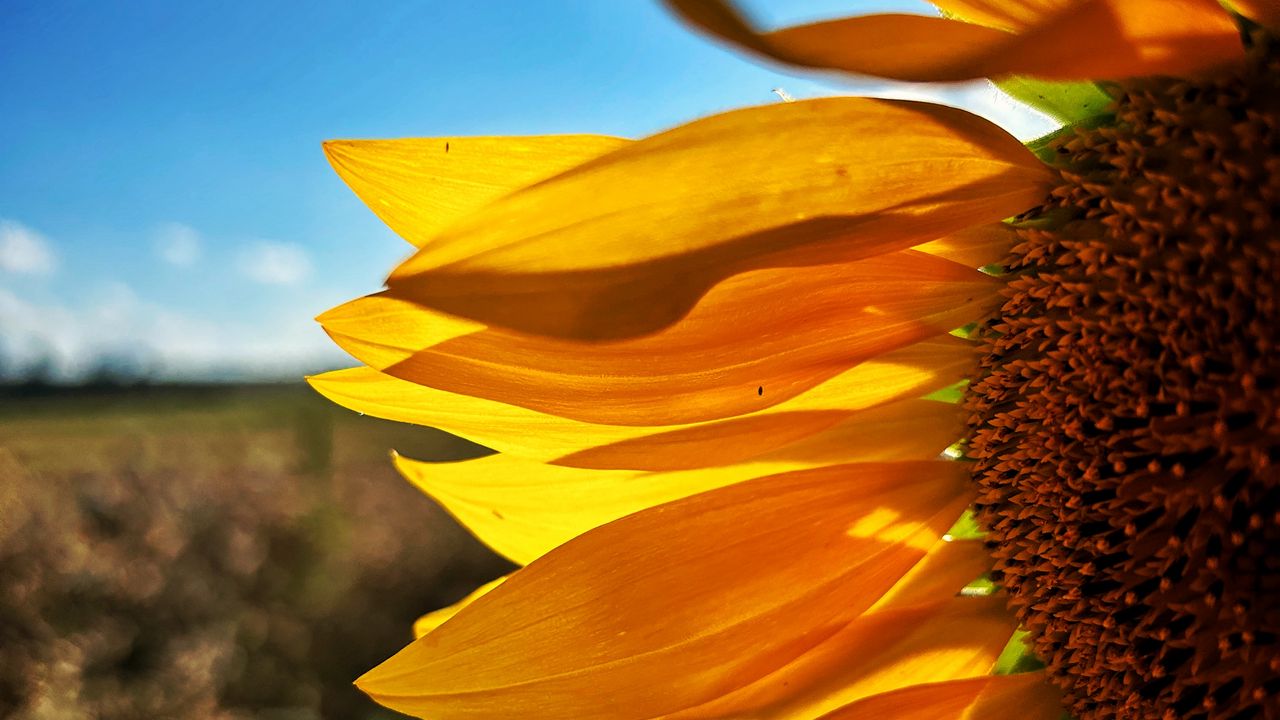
[
  {"x": 625, "y": 245},
  {"x": 755, "y": 340},
  {"x": 1086, "y": 40},
  {"x": 418, "y": 186},
  {"x": 762, "y": 572}
]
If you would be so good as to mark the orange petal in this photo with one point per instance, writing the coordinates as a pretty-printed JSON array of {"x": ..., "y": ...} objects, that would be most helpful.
[
  {"x": 436, "y": 618},
  {"x": 1263, "y": 12},
  {"x": 910, "y": 372},
  {"x": 755, "y": 340},
  {"x": 876, "y": 653},
  {"x": 995, "y": 697},
  {"x": 949, "y": 566},
  {"x": 624, "y": 245},
  {"x": 418, "y": 186},
  {"x": 1086, "y": 40},
  {"x": 698, "y": 597},
  {"x": 903, "y": 430},
  {"x": 1002, "y": 14},
  {"x": 978, "y": 246}
]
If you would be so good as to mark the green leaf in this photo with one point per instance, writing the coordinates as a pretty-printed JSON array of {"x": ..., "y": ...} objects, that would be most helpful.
[{"x": 1066, "y": 102}]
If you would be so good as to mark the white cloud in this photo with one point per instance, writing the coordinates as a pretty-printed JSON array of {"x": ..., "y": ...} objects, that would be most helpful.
[
  {"x": 116, "y": 327},
  {"x": 24, "y": 251},
  {"x": 275, "y": 263},
  {"x": 178, "y": 244}
]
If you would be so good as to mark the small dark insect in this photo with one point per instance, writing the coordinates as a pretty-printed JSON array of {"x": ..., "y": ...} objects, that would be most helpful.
[
  {"x": 760, "y": 390},
  {"x": 446, "y": 147}
]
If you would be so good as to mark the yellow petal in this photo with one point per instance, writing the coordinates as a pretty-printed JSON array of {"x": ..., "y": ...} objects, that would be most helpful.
[
  {"x": 698, "y": 597},
  {"x": 878, "y": 652},
  {"x": 624, "y": 245},
  {"x": 755, "y": 340},
  {"x": 910, "y": 372},
  {"x": 977, "y": 246},
  {"x": 1263, "y": 12},
  {"x": 995, "y": 697},
  {"x": 523, "y": 508},
  {"x": 436, "y": 618},
  {"x": 1086, "y": 40},
  {"x": 418, "y": 186}
]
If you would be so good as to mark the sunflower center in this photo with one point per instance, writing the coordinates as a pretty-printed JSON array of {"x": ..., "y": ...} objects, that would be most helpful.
[{"x": 1125, "y": 423}]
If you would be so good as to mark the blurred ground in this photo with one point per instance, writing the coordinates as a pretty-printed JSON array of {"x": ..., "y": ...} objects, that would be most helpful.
[{"x": 212, "y": 552}]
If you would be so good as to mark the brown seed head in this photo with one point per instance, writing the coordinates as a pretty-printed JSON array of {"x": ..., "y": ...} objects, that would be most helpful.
[{"x": 1125, "y": 423}]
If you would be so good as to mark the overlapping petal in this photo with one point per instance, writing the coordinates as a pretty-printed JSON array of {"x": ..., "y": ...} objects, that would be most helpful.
[
  {"x": 948, "y": 567},
  {"x": 436, "y": 618},
  {"x": 977, "y": 246},
  {"x": 418, "y": 186},
  {"x": 909, "y": 372},
  {"x": 755, "y": 340},
  {"x": 876, "y": 653},
  {"x": 523, "y": 508},
  {"x": 995, "y": 697},
  {"x": 945, "y": 569},
  {"x": 1263, "y": 12},
  {"x": 1055, "y": 40},
  {"x": 900, "y": 430},
  {"x": 625, "y": 244},
  {"x": 700, "y": 597},
  {"x": 1002, "y": 14}
]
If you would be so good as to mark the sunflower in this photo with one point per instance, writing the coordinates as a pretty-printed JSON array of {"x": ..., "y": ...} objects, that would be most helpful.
[{"x": 854, "y": 408}]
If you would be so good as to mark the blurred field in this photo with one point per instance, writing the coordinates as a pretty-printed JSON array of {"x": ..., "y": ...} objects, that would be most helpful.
[{"x": 212, "y": 552}]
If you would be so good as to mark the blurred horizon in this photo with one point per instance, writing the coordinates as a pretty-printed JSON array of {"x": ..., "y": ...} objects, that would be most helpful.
[{"x": 166, "y": 213}]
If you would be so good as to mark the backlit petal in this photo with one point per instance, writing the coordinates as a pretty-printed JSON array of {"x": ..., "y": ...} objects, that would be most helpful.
[
  {"x": 1263, "y": 12},
  {"x": 436, "y": 618},
  {"x": 698, "y": 597},
  {"x": 1002, "y": 14},
  {"x": 1086, "y": 40},
  {"x": 912, "y": 429},
  {"x": 878, "y": 652},
  {"x": 523, "y": 508},
  {"x": 755, "y": 340},
  {"x": 974, "y": 247},
  {"x": 418, "y": 186},
  {"x": 910, "y": 372},
  {"x": 949, "y": 566},
  {"x": 624, "y": 245},
  {"x": 995, "y": 697}
]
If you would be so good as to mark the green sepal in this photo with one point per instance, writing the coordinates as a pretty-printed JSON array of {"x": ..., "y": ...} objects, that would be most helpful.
[
  {"x": 1066, "y": 102},
  {"x": 966, "y": 528},
  {"x": 1017, "y": 656},
  {"x": 1045, "y": 146},
  {"x": 950, "y": 394}
]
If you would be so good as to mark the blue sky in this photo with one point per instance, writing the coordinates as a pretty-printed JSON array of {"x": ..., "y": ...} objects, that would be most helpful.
[{"x": 162, "y": 191}]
